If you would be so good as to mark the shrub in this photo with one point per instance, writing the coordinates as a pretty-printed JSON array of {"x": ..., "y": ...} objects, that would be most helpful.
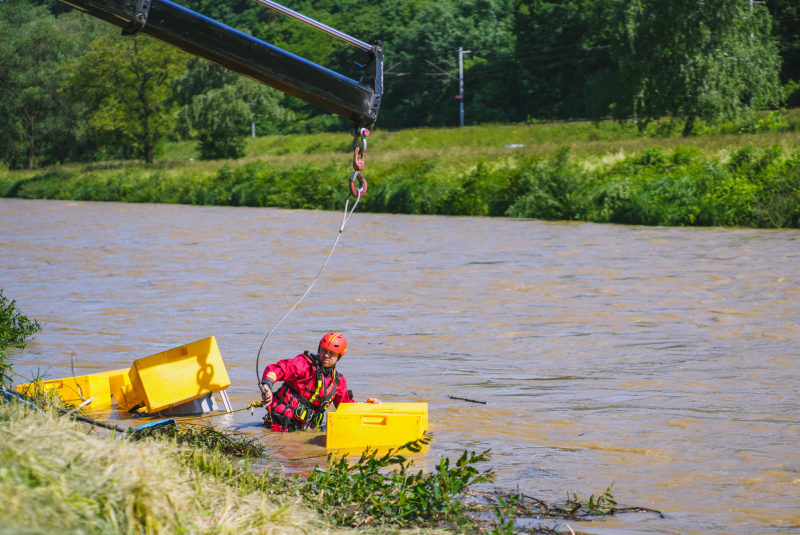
[
  {"x": 556, "y": 191},
  {"x": 15, "y": 328},
  {"x": 351, "y": 493}
]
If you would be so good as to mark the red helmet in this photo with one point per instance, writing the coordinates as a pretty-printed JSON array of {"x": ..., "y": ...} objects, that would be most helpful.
[{"x": 334, "y": 342}]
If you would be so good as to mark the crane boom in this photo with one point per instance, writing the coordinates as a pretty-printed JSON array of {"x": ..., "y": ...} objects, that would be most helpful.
[{"x": 207, "y": 38}]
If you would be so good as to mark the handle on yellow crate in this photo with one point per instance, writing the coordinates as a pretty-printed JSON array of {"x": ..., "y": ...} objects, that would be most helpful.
[{"x": 373, "y": 420}]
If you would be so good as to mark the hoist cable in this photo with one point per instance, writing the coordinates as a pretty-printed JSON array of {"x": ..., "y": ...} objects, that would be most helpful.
[{"x": 345, "y": 219}]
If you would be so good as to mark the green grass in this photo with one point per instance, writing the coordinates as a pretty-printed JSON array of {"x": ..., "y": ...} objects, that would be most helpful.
[
  {"x": 745, "y": 173},
  {"x": 57, "y": 477}
]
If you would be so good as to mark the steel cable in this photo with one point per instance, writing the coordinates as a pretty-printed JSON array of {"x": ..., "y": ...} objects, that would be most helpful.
[{"x": 345, "y": 219}]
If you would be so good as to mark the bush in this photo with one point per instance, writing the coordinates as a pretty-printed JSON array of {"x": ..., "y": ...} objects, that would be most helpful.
[
  {"x": 556, "y": 191},
  {"x": 754, "y": 186},
  {"x": 15, "y": 328},
  {"x": 351, "y": 493}
]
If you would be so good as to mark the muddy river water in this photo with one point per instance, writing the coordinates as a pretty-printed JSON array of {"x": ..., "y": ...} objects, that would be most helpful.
[{"x": 664, "y": 360}]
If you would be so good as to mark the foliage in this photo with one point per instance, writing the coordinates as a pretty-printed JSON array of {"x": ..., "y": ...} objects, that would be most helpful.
[
  {"x": 555, "y": 191},
  {"x": 32, "y": 48},
  {"x": 562, "y": 49},
  {"x": 15, "y": 328},
  {"x": 222, "y": 116},
  {"x": 702, "y": 180},
  {"x": 204, "y": 437},
  {"x": 508, "y": 507},
  {"x": 427, "y": 52},
  {"x": 786, "y": 29},
  {"x": 66, "y": 85},
  {"x": 359, "y": 493},
  {"x": 126, "y": 84},
  {"x": 694, "y": 60}
]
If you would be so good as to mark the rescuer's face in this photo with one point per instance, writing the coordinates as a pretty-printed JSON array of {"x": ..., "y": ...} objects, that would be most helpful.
[{"x": 328, "y": 358}]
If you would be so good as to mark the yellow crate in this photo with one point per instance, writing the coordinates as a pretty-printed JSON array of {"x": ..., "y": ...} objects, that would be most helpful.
[
  {"x": 91, "y": 386},
  {"x": 125, "y": 394},
  {"x": 398, "y": 408},
  {"x": 358, "y": 425},
  {"x": 116, "y": 379},
  {"x": 181, "y": 374}
]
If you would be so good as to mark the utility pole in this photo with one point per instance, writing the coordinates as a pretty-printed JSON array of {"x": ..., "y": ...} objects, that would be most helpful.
[{"x": 461, "y": 53}]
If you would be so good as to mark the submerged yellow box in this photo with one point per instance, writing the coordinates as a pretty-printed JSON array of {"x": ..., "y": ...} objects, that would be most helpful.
[
  {"x": 122, "y": 389},
  {"x": 70, "y": 389},
  {"x": 116, "y": 379},
  {"x": 181, "y": 374},
  {"x": 358, "y": 425}
]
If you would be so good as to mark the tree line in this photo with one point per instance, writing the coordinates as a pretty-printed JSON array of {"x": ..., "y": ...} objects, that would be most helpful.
[{"x": 73, "y": 89}]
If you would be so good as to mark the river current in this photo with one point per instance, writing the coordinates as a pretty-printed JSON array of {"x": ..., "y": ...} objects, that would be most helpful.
[{"x": 664, "y": 360}]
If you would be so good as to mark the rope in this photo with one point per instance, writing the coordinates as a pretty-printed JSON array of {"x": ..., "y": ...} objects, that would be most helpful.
[
  {"x": 345, "y": 219},
  {"x": 253, "y": 405}
]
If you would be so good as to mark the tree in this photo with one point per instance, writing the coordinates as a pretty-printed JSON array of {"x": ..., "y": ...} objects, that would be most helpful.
[
  {"x": 126, "y": 81},
  {"x": 694, "y": 60},
  {"x": 563, "y": 51},
  {"x": 786, "y": 28},
  {"x": 31, "y": 49},
  {"x": 221, "y": 117},
  {"x": 425, "y": 94},
  {"x": 201, "y": 77}
]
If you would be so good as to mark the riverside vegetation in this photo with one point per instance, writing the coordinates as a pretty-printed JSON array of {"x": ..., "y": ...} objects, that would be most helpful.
[
  {"x": 15, "y": 329},
  {"x": 72, "y": 89},
  {"x": 59, "y": 474},
  {"x": 729, "y": 174}
]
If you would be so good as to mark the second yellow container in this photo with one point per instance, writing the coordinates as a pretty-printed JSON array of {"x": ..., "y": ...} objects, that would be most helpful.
[
  {"x": 358, "y": 425},
  {"x": 70, "y": 389},
  {"x": 181, "y": 374}
]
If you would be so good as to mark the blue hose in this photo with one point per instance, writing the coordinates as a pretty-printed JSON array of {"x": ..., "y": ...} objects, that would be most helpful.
[{"x": 8, "y": 395}]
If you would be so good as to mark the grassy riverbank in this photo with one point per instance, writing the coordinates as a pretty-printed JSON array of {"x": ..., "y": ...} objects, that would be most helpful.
[
  {"x": 60, "y": 475},
  {"x": 57, "y": 477},
  {"x": 732, "y": 174}
]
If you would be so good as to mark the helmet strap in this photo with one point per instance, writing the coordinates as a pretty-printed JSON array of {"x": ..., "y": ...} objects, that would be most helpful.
[{"x": 318, "y": 363}]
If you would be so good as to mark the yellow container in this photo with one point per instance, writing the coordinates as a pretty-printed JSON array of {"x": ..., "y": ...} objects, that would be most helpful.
[
  {"x": 91, "y": 386},
  {"x": 125, "y": 394},
  {"x": 358, "y": 425},
  {"x": 116, "y": 379},
  {"x": 179, "y": 375}
]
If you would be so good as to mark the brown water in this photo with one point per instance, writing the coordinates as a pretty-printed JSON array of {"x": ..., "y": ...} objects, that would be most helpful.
[{"x": 662, "y": 359}]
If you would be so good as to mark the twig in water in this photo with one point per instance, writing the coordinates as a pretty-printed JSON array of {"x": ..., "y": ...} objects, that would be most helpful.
[{"x": 470, "y": 400}]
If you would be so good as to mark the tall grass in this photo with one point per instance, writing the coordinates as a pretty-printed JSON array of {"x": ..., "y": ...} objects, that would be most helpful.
[
  {"x": 739, "y": 174},
  {"x": 57, "y": 478}
]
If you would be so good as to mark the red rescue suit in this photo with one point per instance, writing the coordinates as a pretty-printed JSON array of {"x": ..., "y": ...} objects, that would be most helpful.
[{"x": 307, "y": 390}]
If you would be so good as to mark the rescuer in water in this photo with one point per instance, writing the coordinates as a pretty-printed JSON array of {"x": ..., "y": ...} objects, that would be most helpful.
[{"x": 310, "y": 384}]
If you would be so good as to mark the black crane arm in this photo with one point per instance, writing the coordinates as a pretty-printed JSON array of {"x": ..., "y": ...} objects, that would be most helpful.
[{"x": 207, "y": 38}]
